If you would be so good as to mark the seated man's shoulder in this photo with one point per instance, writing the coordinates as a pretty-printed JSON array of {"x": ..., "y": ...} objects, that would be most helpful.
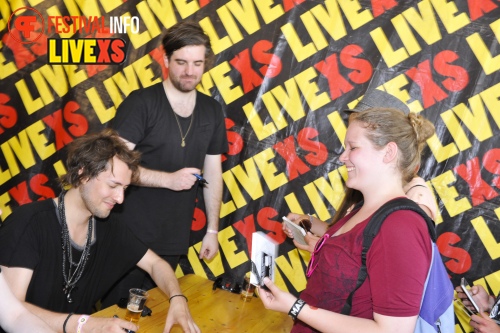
[{"x": 27, "y": 213}]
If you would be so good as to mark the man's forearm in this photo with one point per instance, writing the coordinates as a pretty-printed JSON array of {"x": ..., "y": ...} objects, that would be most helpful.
[
  {"x": 54, "y": 320},
  {"x": 212, "y": 194},
  {"x": 164, "y": 277},
  {"x": 153, "y": 178}
]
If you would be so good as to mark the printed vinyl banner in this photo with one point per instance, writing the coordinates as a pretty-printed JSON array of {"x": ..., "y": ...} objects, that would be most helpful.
[{"x": 283, "y": 70}]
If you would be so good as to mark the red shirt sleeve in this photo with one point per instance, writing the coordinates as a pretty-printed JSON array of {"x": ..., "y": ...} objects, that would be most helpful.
[{"x": 398, "y": 262}]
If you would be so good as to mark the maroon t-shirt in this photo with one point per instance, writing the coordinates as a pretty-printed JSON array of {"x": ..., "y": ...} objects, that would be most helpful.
[{"x": 397, "y": 264}]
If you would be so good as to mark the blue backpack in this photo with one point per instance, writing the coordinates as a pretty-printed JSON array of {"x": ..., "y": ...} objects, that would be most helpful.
[{"x": 436, "y": 309}]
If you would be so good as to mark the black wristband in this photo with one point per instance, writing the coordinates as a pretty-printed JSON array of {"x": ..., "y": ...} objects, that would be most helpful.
[
  {"x": 66, "y": 321},
  {"x": 179, "y": 295},
  {"x": 296, "y": 307}
]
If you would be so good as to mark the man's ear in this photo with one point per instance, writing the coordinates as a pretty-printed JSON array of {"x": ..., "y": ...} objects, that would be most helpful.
[
  {"x": 165, "y": 60},
  {"x": 84, "y": 180},
  {"x": 391, "y": 152}
]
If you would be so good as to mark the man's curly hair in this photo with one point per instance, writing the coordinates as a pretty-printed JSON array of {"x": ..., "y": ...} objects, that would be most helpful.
[{"x": 92, "y": 154}]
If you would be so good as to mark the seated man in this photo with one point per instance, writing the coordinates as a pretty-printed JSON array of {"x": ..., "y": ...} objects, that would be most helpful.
[{"x": 54, "y": 280}]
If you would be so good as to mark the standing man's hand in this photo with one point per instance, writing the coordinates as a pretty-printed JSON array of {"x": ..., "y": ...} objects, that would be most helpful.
[
  {"x": 183, "y": 179},
  {"x": 209, "y": 246}
]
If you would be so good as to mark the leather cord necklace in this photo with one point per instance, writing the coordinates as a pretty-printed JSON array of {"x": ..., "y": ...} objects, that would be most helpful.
[
  {"x": 183, "y": 136},
  {"x": 74, "y": 270}
]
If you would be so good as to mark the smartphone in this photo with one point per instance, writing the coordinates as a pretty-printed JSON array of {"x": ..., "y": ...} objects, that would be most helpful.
[{"x": 466, "y": 289}]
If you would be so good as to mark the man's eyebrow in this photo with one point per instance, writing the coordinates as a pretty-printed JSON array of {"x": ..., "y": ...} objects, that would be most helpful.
[{"x": 118, "y": 182}]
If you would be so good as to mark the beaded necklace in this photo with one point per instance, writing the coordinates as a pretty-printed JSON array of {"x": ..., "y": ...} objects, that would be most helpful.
[{"x": 74, "y": 270}]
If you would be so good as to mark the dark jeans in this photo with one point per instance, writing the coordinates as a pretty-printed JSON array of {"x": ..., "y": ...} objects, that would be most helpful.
[{"x": 135, "y": 278}]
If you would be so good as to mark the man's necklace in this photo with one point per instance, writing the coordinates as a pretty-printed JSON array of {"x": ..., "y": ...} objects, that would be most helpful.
[
  {"x": 74, "y": 271},
  {"x": 183, "y": 136}
]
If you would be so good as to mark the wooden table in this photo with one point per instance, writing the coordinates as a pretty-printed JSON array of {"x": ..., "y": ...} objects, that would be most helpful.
[{"x": 213, "y": 311}]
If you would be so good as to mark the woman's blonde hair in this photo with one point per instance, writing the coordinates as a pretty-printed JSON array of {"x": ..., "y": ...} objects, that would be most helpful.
[{"x": 409, "y": 132}]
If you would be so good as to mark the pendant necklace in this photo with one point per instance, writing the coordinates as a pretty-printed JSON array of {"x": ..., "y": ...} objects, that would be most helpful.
[
  {"x": 74, "y": 271},
  {"x": 183, "y": 136}
]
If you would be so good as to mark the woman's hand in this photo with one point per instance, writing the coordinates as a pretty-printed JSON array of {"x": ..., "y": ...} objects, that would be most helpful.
[
  {"x": 294, "y": 218},
  {"x": 275, "y": 299},
  {"x": 311, "y": 241}
]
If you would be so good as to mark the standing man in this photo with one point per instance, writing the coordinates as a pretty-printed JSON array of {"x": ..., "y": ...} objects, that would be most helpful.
[
  {"x": 60, "y": 256},
  {"x": 180, "y": 133}
]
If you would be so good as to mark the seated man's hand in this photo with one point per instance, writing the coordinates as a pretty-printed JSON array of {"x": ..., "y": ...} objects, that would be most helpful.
[{"x": 178, "y": 313}]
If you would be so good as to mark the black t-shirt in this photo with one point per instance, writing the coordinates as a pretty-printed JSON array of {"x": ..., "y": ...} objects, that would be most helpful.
[
  {"x": 31, "y": 238},
  {"x": 162, "y": 217}
]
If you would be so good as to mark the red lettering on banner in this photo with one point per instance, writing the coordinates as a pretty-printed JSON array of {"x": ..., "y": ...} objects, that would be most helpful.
[
  {"x": 22, "y": 54},
  {"x": 55, "y": 122},
  {"x": 202, "y": 3},
  {"x": 118, "y": 53},
  {"x": 330, "y": 68},
  {"x": 272, "y": 63},
  {"x": 103, "y": 45},
  {"x": 94, "y": 69},
  {"x": 243, "y": 64},
  {"x": 64, "y": 24},
  {"x": 318, "y": 151},
  {"x": 337, "y": 83},
  {"x": 20, "y": 193},
  {"x": 422, "y": 76},
  {"x": 246, "y": 227},
  {"x": 461, "y": 260},
  {"x": 199, "y": 219},
  {"x": 491, "y": 162},
  {"x": 265, "y": 220},
  {"x": 157, "y": 54},
  {"x": 477, "y": 9},
  {"x": 79, "y": 124},
  {"x": 8, "y": 114},
  {"x": 294, "y": 165},
  {"x": 234, "y": 140},
  {"x": 36, "y": 185},
  {"x": 362, "y": 68},
  {"x": 381, "y": 6},
  {"x": 479, "y": 189},
  {"x": 289, "y": 4},
  {"x": 458, "y": 77}
]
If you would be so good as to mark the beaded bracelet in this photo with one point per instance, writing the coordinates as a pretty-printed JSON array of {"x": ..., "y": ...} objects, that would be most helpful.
[
  {"x": 296, "y": 307},
  {"x": 211, "y": 231},
  {"x": 82, "y": 321},
  {"x": 178, "y": 295},
  {"x": 66, "y": 321}
]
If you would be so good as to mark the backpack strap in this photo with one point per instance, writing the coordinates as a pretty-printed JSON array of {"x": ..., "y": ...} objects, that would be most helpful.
[{"x": 372, "y": 229}]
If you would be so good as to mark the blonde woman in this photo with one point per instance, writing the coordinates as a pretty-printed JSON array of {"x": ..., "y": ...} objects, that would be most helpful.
[{"x": 382, "y": 152}]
